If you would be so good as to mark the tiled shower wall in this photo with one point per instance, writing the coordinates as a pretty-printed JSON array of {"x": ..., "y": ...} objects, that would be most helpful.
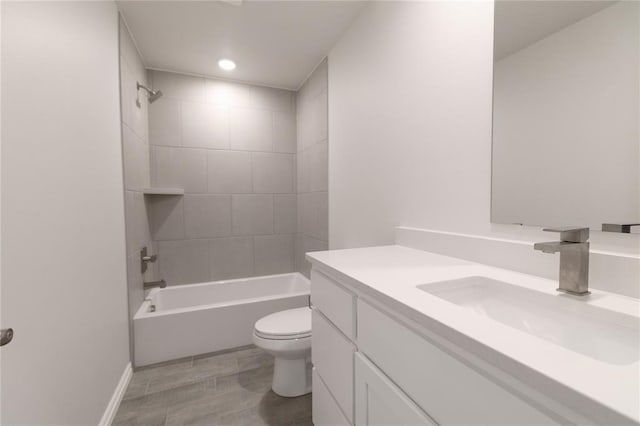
[
  {"x": 135, "y": 152},
  {"x": 312, "y": 167},
  {"x": 232, "y": 147}
]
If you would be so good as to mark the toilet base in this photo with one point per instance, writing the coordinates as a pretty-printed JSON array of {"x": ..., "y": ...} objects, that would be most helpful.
[{"x": 291, "y": 377}]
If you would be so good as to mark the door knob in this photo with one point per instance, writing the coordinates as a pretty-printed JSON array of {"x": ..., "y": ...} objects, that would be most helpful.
[{"x": 6, "y": 335}]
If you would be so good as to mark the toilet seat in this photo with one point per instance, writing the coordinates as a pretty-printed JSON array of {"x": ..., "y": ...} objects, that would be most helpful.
[{"x": 285, "y": 325}]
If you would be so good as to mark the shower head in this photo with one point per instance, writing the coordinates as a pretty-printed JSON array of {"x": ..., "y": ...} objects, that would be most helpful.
[{"x": 154, "y": 95}]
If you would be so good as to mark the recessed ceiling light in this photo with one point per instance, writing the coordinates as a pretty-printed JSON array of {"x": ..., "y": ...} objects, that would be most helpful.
[{"x": 227, "y": 64}]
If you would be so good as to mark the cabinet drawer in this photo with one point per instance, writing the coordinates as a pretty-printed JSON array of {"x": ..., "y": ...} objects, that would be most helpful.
[
  {"x": 446, "y": 388},
  {"x": 325, "y": 410},
  {"x": 335, "y": 302},
  {"x": 380, "y": 402},
  {"x": 332, "y": 356}
]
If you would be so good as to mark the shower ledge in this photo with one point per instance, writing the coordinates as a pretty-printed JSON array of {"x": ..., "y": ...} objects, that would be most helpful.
[{"x": 163, "y": 191}]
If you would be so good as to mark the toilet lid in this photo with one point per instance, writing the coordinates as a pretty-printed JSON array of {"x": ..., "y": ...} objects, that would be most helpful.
[{"x": 289, "y": 324}]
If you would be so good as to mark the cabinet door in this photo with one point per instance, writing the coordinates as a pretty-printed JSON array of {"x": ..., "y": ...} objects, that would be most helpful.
[
  {"x": 380, "y": 402},
  {"x": 325, "y": 409},
  {"x": 332, "y": 356},
  {"x": 452, "y": 392}
]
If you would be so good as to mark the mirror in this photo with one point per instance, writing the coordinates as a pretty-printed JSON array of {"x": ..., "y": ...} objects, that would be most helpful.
[{"x": 566, "y": 113}]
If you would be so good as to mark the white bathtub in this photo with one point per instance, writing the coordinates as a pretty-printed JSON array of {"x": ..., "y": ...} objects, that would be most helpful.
[{"x": 195, "y": 319}]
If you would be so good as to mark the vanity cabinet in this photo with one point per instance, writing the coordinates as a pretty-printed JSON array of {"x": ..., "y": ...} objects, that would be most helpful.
[
  {"x": 380, "y": 402},
  {"x": 442, "y": 385},
  {"x": 370, "y": 368},
  {"x": 332, "y": 348}
]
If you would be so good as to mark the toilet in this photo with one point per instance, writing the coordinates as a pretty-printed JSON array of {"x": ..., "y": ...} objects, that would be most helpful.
[{"x": 287, "y": 336}]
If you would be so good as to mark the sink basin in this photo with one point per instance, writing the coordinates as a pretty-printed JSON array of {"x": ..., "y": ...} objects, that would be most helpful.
[{"x": 598, "y": 333}]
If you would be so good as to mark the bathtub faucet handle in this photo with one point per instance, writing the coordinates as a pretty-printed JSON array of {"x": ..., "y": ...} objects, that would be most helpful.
[{"x": 145, "y": 258}]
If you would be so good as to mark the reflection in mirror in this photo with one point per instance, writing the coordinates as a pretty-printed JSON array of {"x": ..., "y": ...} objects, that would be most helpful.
[{"x": 566, "y": 113}]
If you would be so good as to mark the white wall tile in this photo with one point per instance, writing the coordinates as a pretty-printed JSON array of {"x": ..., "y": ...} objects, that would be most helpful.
[
  {"x": 231, "y": 258},
  {"x": 304, "y": 245},
  {"x": 138, "y": 231},
  {"x": 165, "y": 122},
  {"x": 272, "y": 99},
  {"x": 127, "y": 91},
  {"x": 229, "y": 172},
  {"x": 152, "y": 273},
  {"x": 319, "y": 166},
  {"x": 312, "y": 167},
  {"x": 305, "y": 125},
  {"x": 228, "y": 93},
  {"x": 252, "y": 214},
  {"x": 128, "y": 51},
  {"x": 303, "y": 171},
  {"x": 207, "y": 215},
  {"x": 317, "y": 81},
  {"x": 272, "y": 173},
  {"x": 139, "y": 119},
  {"x": 181, "y": 168},
  {"x": 134, "y": 283},
  {"x": 250, "y": 129},
  {"x": 273, "y": 254},
  {"x": 313, "y": 208},
  {"x": 136, "y": 160},
  {"x": 285, "y": 213},
  {"x": 284, "y": 132},
  {"x": 178, "y": 86},
  {"x": 184, "y": 261},
  {"x": 205, "y": 125},
  {"x": 321, "y": 117},
  {"x": 166, "y": 213}
]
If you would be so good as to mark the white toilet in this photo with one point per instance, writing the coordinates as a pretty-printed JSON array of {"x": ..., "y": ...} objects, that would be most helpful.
[{"x": 287, "y": 336}]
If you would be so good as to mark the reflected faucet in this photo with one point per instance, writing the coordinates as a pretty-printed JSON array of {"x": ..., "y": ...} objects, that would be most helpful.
[
  {"x": 574, "y": 258},
  {"x": 623, "y": 228}
]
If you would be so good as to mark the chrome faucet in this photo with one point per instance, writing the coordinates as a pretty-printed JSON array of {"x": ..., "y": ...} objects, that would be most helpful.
[
  {"x": 152, "y": 284},
  {"x": 574, "y": 258}
]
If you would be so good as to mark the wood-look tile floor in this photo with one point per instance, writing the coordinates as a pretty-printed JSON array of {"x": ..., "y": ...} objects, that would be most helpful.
[{"x": 232, "y": 388}]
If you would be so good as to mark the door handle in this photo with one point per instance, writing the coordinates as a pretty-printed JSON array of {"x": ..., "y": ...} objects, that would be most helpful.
[{"x": 6, "y": 335}]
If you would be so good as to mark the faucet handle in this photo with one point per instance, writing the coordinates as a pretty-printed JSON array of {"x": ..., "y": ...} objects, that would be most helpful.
[{"x": 571, "y": 234}]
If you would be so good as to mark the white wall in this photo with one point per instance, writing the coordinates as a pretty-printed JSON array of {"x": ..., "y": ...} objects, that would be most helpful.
[
  {"x": 566, "y": 146},
  {"x": 410, "y": 88},
  {"x": 410, "y": 121},
  {"x": 63, "y": 246}
]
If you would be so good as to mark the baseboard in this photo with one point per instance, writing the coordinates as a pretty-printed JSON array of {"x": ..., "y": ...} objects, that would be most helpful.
[{"x": 116, "y": 398}]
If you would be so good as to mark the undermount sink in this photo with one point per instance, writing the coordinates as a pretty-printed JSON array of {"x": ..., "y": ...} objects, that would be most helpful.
[{"x": 598, "y": 333}]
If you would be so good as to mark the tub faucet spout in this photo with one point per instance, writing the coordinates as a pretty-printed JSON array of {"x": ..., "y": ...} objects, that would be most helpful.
[{"x": 152, "y": 284}]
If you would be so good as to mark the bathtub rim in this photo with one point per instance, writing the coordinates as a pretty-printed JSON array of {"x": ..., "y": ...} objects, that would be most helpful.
[{"x": 143, "y": 313}]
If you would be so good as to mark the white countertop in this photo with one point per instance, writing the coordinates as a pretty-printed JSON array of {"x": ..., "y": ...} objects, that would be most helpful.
[{"x": 390, "y": 274}]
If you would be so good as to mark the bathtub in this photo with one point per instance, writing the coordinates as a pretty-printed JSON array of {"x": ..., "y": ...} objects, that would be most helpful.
[{"x": 185, "y": 320}]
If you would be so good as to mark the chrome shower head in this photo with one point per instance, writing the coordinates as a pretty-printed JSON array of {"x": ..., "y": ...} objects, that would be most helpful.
[{"x": 154, "y": 95}]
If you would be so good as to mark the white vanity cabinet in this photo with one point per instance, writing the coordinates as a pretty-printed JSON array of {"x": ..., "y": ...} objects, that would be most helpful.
[
  {"x": 372, "y": 369},
  {"x": 380, "y": 402},
  {"x": 332, "y": 349}
]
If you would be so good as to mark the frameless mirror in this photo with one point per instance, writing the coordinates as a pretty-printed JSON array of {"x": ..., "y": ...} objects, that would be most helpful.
[{"x": 566, "y": 113}]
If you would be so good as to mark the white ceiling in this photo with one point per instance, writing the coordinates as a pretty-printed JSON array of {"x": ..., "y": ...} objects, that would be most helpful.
[
  {"x": 274, "y": 43},
  {"x": 519, "y": 24}
]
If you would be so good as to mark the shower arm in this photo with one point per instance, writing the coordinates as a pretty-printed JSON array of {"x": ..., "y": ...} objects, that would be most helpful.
[{"x": 142, "y": 86}]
